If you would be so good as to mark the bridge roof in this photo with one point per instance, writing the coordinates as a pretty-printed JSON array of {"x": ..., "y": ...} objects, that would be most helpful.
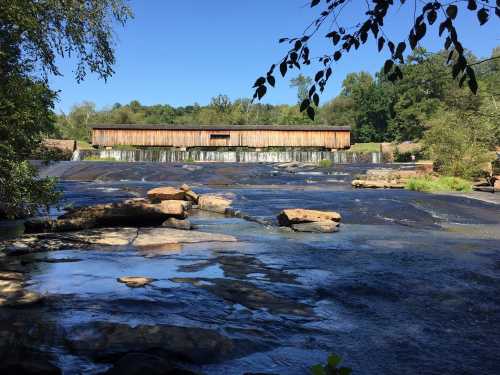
[{"x": 220, "y": 127}]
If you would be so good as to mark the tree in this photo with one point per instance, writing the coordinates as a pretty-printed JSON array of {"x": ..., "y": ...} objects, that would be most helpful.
[
  {"x": 33, "y": 33},
  {"x": 439, "y": 14},
  {"x": 458, "y": 144},
  {"x": 301, "y": 83}
]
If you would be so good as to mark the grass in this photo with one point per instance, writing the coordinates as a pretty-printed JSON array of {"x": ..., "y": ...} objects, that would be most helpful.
[
  {"x": 97, "y": 158},
  {"x": 440, "y": 184},
  {"x": 82, "y": 145},
  {"x": 365, "y": 147},
  {"x": 325, "y": 163}
]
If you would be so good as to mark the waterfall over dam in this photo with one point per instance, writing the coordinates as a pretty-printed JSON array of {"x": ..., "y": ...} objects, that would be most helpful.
[{"x": 240, "y": 156}]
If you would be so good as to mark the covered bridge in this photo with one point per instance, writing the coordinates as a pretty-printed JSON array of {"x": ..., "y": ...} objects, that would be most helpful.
[{"x": 256, "y": 136}]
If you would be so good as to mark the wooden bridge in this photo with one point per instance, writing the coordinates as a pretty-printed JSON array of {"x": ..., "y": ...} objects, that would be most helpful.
[{"x": 254, "y": 136}]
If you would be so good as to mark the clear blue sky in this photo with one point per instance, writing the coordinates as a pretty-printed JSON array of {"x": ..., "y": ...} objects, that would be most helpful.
[{"x": 182, "y": 52}]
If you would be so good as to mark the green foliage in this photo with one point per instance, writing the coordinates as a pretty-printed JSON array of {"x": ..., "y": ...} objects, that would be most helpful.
[
  {"x": 301, "y": 83},
  {"x": 458, "y": 144},
  {"x": 33, "y": 34},
  {"x": 365, "y": 147},
  {"x": 442, "y": 184},
  {"x": 21, "y": 192},
  {"x": 331, "y": 368},
  {"x": 325, "y": 163}
]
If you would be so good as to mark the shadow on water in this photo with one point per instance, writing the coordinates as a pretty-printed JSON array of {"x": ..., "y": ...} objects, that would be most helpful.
[{"x": 409, "y": 284}]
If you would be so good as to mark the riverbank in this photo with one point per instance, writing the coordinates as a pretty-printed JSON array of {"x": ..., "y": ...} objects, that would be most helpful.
[{"x": 404, "y": 277}]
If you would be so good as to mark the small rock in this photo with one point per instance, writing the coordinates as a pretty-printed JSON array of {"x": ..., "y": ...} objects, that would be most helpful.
[
  {"x": 172, "y": 207},
  {"x": 172, "y": 222},
  {"x": 165, "y": 193},
  {"x": 214, "y": 203},
  {"x": 377, "y": 184},
  {"x": 317, "y": 227},
  {"x": 191, "y": 196},
  {"x": 185, "y": 187},
  {"x": 298, "y": 215},
  {"x": 135, "y": 282}
]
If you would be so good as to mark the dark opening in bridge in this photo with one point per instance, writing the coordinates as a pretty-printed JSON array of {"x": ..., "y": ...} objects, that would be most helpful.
[{"x": 219, "y": 136}]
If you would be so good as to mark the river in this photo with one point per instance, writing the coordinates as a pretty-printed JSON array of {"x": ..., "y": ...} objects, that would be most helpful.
[{"x": 410, "y": 284}]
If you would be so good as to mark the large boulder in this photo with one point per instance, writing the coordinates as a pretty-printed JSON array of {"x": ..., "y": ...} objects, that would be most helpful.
[
  {"x": 165, "y": 193},
  {"x": 289, "y": 217},
  {"x": 214, "y": 203},
  {"x": 102, "y": 340},
  {"x": 133, "y": 212}
]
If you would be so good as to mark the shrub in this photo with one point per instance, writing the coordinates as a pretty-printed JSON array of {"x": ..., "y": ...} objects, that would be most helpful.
[
  {"x": 441, "y": 184},
  {"x": 331, "y": 368},
  {"x": 325, "y": 163},
  {"x": 458, "y": 145}
]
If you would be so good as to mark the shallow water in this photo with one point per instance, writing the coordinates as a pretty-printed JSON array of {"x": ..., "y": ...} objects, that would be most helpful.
[{"x": 410, "y": 284}]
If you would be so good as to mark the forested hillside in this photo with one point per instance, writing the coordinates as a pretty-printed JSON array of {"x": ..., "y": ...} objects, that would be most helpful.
[{"x": 376, "y": 109}]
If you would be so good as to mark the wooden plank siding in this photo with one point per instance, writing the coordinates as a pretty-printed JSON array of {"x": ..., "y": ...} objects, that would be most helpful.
[{"x": 234, "y": 137}]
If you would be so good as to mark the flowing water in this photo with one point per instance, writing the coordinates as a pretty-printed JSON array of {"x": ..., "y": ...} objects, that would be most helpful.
[
  {"x": 174, "y": 156},
  {"x": 410, "y": 284}
]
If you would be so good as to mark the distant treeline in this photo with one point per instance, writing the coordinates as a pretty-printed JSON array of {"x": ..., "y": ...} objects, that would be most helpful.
[{"x": 377, "y": 110}]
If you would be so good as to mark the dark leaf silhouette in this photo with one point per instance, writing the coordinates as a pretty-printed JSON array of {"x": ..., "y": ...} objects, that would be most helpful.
[
  {"x": 319, "y": 75},
  {"x": 431, "y": 17},
  {"x": 283, "y": 68},
  {"x": 311, "y": 113},
  {"x": 337, "y": 55},
  {"x": 261, "y": 91},
  {"x": 388, "y": 65},
  {"x": 482, "y": 16},
  {"x": 271, "y": 80},
  {"x": 305, "y": 104},
  {"x": 314, "y": 3},
  {"x": 316, "y": 99},
  {"x": 381, "y": 42},
  {"x": 452, "y": 11},
  {"x": 472, "y": 5},
  {"x": 260, "y": 81}
]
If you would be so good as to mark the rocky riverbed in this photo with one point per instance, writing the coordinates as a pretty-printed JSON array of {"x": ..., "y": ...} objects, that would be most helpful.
[{"x": 409, "y": 284}]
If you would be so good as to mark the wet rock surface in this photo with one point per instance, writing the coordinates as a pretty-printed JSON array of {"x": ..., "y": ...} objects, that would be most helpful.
[{"x": 411, "y": 277}]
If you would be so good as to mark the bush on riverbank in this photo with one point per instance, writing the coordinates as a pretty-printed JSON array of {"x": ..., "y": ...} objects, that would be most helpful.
[
  {"x": 440, "y": 184},
  {"x": 325, "y": 163}
]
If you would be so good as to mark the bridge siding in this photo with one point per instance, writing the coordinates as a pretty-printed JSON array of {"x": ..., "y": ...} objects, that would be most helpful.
[{"x": 337, "y": 139}]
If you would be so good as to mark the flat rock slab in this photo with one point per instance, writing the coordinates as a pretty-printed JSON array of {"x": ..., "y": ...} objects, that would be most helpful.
[
  {"x": 165, "y": 193},
  {"x": 141, "y": 238},
  {"x": 161, "y": 236},
  {"x": 298, "y": 215}
]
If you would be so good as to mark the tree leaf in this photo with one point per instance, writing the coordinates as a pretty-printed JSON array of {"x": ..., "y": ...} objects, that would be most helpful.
[
  {"x": 259, "y": 82},
  {"x": 334, "y": 360},
  {"x": 317, "y": 370},
  {"x": 388, "y": 65},
  {"x": 305, "y": 104},
  {"x": 319, "y": 75},
  {"x": 328, "y": 73},
  {"x": 314, "y": 3},
  {"x": 337, "y": 55},
  {"x": 283, "y": 68},
  {"x": 261, "y": 91},
  {"x": 472, "y": 5},
  {"x": 271, "y": 80},
  {"x": 381, "y": 42},
  {"x": 482, "y": 16},
  {"x": 452, "y": 11},
  {"x": 432, "y": 16},
  {"x": 316, "y": 99},
  {"x": 311, "y": 113}
]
